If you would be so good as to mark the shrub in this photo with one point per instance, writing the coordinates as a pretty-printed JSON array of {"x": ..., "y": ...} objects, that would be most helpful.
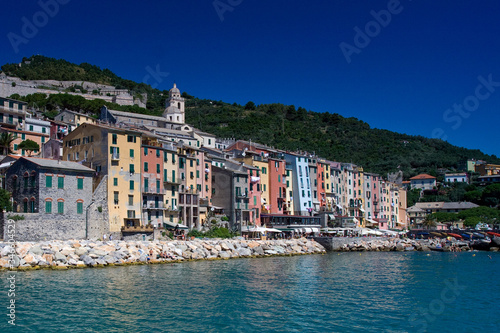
[{"x": 15, "y": 217}]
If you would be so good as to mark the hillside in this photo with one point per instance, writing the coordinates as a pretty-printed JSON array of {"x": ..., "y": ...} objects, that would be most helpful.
[{"x": 329, "y": 135}]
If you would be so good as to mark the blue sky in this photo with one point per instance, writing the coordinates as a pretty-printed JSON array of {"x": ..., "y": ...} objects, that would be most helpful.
[{"x": 403, "y": 72}]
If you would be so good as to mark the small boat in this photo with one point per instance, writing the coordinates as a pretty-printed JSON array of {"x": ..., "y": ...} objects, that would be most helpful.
[
  {"x": 457, "y": 236},
  {"x": 481, "y": 244},
  {"x": 495, "y": 240}
]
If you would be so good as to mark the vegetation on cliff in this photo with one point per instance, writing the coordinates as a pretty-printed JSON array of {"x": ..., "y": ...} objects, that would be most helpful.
[{"x": 329, "y": 135}]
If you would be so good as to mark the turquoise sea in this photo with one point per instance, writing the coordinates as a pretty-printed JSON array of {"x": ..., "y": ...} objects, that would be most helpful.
[{"x": 335, "y": 292}]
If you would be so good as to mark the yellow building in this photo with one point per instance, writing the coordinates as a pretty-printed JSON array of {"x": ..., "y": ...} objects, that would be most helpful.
[
  {"x": 172, "y": 182},
  {"x": 115, "y": 155},
  {"x": 188, "y": 193}
]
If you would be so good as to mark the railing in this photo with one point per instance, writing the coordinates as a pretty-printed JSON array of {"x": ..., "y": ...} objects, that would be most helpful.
[
  {"x": 115, "y": 157},
  {"x": 154, "y": 190},
  {"x": 175, "y": 181}
]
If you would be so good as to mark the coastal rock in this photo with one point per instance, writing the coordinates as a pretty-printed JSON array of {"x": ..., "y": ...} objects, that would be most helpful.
[
  {"x": 81, "y": 251},
  {"x": 258, "y": 250},
  {"x": 49, "y": 258},
  {"x": 30, "y": 259},
  {"x": 400, "y": 247},
  {"x": 7, "y": 250},
  {"x": 224, "y": 255},
  {"x": 4, "y": 263},
  {"x": 224, "y": 246},
  {"x": 36, "y": 250},
  {"x": 244, "y": 252},
  {"x": 59, "y": 256}
]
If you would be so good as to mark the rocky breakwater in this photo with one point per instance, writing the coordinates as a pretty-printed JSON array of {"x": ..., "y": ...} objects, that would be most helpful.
[
  {"x": 387, "y": 244},
  {"x": 84, "y": 253}
]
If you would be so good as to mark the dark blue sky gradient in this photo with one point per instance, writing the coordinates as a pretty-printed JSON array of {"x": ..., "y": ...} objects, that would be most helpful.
[{"x": 415, "y": 68}]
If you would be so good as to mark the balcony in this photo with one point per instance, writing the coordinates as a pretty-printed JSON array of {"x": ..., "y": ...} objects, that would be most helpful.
[
  {"x": 173, "y": 209},
  {"x": 189, "y": 191},
  {"x": 172, "y": 181},
  {"x": 115, "y": 157},
  {"x": 242, "y": 195},
  {"x": 155, "y": 206},
  {"x": 137, "y": 228},
  {"x": 154, "y": 190}
]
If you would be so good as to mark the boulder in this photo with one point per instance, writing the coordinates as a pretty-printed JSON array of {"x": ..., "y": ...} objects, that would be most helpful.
[
  {"x": 224, "y": 255},
  {"x": 224, "y": 246},
  {"x": 81, "y": 251},
  {"x": 36, "y": 250},
  {"x": 244, "y": 252},
  {"x": 48, "y": 258},
  {"x": 7, "y": 250},
  {"x": 59, "y": 257},
  {"x": 30, "y": 259},
  {"x": 258, "y": 250}
]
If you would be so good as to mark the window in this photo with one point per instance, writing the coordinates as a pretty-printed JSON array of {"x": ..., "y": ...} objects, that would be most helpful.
[
  {"x": 158, "y": 168},
  {"x": 79, "y": 183},
  {"x": 79, "y": 207},
  {"x": 48, "y": 206},
  {"x": 60, "y": 207},
  {"x": 48, "y": 181},
  {"x": 114, "y": 139},
  {"x": 115, "y": 181},
  {"x": 157, "y": 152},
  {"x": 115, "y": 197},
  {"x": 23, "y": 136},
  {"x": 131, "y": 153},
  {"x": 60, "y": 182},
  {"x": 145, "y": 151},
  {"x": 131, "y": 184},
  {"x": 132, "y": 168},
  {"x": 146, "y": 166},
  {"x": 264, "y": 170},
  {"x": 131, "y": 138},
  {"x": 130, "y": 200},
  {"x": 31, "y": 128}
]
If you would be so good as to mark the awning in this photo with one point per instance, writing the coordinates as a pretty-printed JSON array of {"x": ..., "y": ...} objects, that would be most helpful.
[
  {"x": 172, "y": 225},
  {"x": 307, "y": 230},
  {"x": 400, "y": 222},
  {"x": 372, "y": 221},
  {"x": 315, "y": 229},
  {"x": 331, "y": 216}
]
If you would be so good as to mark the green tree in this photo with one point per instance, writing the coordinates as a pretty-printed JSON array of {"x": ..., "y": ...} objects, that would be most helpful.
[
  {"x": 250, "y": 106},
  {"x": 6, "y": 140},
  {"x": 5, "y": 203},
  {"x": 29, "y": 145}
]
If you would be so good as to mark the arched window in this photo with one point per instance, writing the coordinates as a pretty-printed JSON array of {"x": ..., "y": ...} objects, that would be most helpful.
[
  {"x": 60, "y": 206},
  {"x": 32, "y": 205},
  {"x": 79, "y": 206},
  {"x": 26, "y": 179},
  {"x": 25, "y": 205},
  {"x": 48, "y": 206},
  {"x": 33, "y": 178}
]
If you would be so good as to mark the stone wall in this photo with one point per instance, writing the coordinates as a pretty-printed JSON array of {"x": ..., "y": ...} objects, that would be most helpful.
[
  {"x": 97, "y": 218},
  {"x": 23, "y": 89},
  {"x": 40, "y": 227}
]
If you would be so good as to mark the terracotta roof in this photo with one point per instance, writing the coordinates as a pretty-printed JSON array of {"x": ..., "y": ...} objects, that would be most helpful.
[{"x": 422, "y": 176}]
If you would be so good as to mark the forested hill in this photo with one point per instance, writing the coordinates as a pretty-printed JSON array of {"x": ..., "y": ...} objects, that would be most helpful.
[{"x": 328, "y": 135}]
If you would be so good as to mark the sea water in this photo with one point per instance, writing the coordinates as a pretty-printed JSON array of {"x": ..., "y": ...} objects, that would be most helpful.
[{"x": 335, "y": 292}]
